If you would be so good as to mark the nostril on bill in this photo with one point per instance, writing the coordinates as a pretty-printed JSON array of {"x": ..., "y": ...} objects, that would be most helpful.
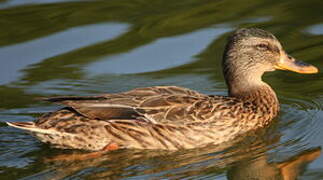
[{"x": 301, "y": 63}]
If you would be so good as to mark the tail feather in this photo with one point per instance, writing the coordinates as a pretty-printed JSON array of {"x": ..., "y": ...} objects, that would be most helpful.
[
  {"x": 52, "y": 136},
  {"x": 22, "y": 125},
  {"x": 31, "y": 126}
]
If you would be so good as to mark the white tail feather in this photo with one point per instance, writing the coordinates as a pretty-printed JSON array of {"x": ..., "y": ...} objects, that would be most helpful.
[{"x": 33, "y": 128}]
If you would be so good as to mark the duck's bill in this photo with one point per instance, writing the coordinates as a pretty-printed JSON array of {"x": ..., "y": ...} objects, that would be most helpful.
[{"x": 290, "y": 64}]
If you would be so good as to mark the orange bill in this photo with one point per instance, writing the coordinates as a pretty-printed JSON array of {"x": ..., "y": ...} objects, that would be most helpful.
[{"x": 290, "y": 64}]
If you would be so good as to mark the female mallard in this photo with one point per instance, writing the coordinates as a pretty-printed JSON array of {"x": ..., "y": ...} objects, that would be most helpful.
[{"x": 170, "y": 117}]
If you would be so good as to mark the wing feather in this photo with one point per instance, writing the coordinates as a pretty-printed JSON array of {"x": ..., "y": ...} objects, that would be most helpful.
[{"x": 159, "y": 104}]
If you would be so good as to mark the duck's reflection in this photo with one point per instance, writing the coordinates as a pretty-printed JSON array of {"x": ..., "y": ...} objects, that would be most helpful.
[
  {"x": 259, "y": 168},
  {"x": 244, "y": 159}
]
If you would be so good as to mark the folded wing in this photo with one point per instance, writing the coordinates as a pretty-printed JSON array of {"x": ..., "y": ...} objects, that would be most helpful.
[{"x": 159, "y": 104}]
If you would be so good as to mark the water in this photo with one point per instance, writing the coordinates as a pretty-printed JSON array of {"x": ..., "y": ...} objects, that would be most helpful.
[{"x": 81, "y": 47}]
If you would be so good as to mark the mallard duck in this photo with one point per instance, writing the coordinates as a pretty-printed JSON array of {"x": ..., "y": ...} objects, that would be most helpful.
[{"x": 171, "y": 117}]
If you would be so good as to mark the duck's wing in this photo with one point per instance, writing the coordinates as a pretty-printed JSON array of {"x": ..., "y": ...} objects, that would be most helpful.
[
  {"x": 159, "y": 104},
  {"x": 132, "y": 96}
]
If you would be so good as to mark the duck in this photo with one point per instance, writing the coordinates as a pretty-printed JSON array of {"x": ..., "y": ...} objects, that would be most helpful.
[{"x": 172, "y": 117}]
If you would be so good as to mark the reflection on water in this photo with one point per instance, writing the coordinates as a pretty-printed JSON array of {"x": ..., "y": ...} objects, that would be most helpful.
[
  {"x": 316, "y": 29},
  {"x": 90, "y": 47},
  {"x": 161, "y": 54},
  {"x": 35, "y": 51},
  {"x": 260, "y": 168},
  {"x": 12, "y": 3}
]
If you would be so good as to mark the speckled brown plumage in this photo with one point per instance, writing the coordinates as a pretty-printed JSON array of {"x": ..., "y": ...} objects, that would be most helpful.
[{"x": 170, "y": 117}]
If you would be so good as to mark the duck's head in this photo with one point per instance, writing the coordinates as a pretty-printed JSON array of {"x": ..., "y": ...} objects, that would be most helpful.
[{"x": 251, "y": 52}]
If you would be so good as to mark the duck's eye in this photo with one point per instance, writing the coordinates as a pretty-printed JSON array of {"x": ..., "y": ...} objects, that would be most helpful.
[{"x": 263, "y": 47}]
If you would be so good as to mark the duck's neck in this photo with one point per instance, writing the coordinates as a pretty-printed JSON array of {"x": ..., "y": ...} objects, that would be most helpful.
[{"x": 260, "y": 94}]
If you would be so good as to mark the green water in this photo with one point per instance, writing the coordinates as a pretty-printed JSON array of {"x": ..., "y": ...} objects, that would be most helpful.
[{"x": 74, "y": 47}]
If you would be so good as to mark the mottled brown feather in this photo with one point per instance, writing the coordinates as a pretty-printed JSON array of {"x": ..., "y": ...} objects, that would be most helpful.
[{"x": 162, "y": 117}]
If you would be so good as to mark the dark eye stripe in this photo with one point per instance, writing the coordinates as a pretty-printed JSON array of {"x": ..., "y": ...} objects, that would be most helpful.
[
  {"x": 267, "y": 47},
  {"x": 263, "y": 46},
  {"x": 275, "y": 49}
]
